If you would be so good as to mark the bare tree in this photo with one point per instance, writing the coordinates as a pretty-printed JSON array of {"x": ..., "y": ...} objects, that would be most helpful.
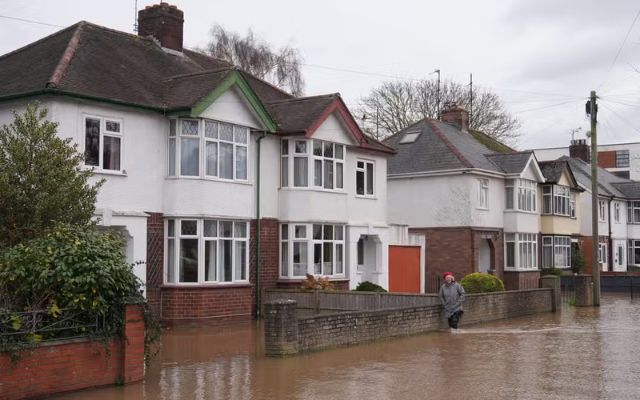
[
  {"x": 395, "y": 105},
  {"x": 281, "y": 67}
]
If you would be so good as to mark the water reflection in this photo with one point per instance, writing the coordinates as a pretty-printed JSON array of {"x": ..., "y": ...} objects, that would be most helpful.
[{"x": 581, "y": 353}]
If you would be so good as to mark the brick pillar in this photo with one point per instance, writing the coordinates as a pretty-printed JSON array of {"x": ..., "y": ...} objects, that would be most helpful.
[
  {"x": 552, "y": 282},
  {"x": 584, "y": 290},
  {"x": 133, "y": 344},
  {"x": 280, "y": 328}
]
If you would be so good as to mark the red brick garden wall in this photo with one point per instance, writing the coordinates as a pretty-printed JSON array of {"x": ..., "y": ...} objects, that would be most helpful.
[{"x": 73, "y": 365}]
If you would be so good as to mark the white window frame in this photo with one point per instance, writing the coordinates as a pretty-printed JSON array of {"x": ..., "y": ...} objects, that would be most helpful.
[
  {"x": 602, "y": 210},
  {"x": 522, "y": 194},
  {"x": 483, "y": 194},
  {"x": 525, "y": 249},
  {"x": 632, "y": 245},
  {"x": 560, "y": 247},
  {"x": 616, "y": 212},
  {"x": 362, "y": 166},
  {"x": 104, "y": 133},
  {"x": 288, "y": 239},
  {"x": 175, "y": 159},
  {"x": 202, "y": 239},
  {"x": 288, "y": 155},
  {"x": 633, "y": 212}
]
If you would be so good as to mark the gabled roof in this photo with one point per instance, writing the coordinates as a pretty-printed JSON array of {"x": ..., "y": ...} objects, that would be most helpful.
[
  {"x": 553, "y": 170},
  {"x": 440, "y": 146},
  {"x": 606, "y": 180}
]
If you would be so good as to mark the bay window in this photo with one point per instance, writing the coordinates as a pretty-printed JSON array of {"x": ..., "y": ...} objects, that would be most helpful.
[
  {"x": 633, "y": 249},
  {"x": 483, "y": 193},
  {"x": 203, "y": 148},
  {"x": 525, "y": 193},
  {"x": 633, "y": 212},
  {"x": 206, "y": 251},
  {"x": 558, "y": 200},
  {"x": 315, "y": 161},
  {"x": 521, "y": 251},
  {"x": 316, "y": 249},
  {"x": 556, "y": 252},
  {"x": 103, "y": 143},
  {"x": 364, "y": 177}
]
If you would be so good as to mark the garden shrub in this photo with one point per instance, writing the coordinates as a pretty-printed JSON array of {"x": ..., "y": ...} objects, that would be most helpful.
[
  {"x": 367, "y": 286},
  {"x": 313, "y": 283},
  {"x": 551, "y": 271},
  {"x": 480, "y": 282}
]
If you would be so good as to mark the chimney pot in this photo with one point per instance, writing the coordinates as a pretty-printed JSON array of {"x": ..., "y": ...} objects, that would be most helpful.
[
  {"x": 580, "y": 149},
  {"x": 164, "y": 22},
  {"x": 456, "y": 115}
]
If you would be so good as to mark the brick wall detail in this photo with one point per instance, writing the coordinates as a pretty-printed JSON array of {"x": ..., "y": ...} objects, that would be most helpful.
[{"x": 76, "y": 364}]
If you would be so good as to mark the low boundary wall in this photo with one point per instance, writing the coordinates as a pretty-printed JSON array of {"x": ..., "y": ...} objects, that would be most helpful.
[
  {"x": 75, "y": 364},
  {"x": 287, "y": 334}
]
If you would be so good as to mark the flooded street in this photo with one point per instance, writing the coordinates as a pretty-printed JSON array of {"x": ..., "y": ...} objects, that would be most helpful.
[{"x": 581, "y": 353}]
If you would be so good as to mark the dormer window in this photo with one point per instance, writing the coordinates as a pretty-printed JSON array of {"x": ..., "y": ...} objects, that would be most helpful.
[{"x": 203, "y": 148}]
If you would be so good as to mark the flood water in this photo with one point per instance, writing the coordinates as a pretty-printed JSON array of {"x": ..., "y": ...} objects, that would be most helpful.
[{"x": 581, "y": 353}]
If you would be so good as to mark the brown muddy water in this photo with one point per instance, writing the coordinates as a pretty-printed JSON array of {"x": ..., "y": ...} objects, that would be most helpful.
[{"x": 581, "y": 353}]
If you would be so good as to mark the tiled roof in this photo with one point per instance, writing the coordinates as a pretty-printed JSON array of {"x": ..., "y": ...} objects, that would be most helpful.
[
  {"x": 552, "y": 170},
  {"x": 631, "y": 189},
  {"x": 441, "y": 146},
  {"x": 297, "y": 114},
  {"x": 606, "y": 180}
]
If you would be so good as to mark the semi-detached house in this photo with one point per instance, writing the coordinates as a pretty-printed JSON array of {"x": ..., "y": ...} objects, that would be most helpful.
[
  {"x": 476, "y": 200},
  {"x": 222, "y": 184}
]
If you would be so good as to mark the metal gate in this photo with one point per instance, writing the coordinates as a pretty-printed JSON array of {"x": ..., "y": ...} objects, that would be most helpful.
[{"x": 404, "y": 269}]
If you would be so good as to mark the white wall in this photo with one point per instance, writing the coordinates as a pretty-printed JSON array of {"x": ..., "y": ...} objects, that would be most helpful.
[
  {"x": 232, "y": 107},
  {"x": 334, "y": 130}
]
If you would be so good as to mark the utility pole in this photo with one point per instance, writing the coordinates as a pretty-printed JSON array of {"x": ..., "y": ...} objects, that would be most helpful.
[
  {"x": 470, "y": 99},
  {"x": 592, "y": 109}
]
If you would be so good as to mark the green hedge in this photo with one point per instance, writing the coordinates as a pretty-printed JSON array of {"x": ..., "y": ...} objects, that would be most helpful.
[
  {"x": 367, "y": 286},
  {"x": 480, "y": 282}
]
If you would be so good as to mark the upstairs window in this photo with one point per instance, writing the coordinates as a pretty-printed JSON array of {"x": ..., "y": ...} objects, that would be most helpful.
[
  {"x": 525, "y": 193},
  {"x": 483, "y": 193},
  {"x": 633, "y": 212},
  {"x": 103, "y": 143},
  {"x": 616, "y": 212},
  {"x": 208, "y": 149},
  {"x": 558, "y": 200},
  {"x": 602, "y": 210},
  {"x": 315, "y": 163},
  {"x": 364, "y": 177}
]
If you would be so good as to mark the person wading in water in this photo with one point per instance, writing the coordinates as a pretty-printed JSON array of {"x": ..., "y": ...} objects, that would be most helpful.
[{"x": 451, "y": 296}]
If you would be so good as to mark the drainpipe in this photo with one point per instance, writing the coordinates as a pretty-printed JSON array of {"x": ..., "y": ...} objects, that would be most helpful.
[
  {"x": 258, "y": 289},
  {"x": 609, "y": 240}
]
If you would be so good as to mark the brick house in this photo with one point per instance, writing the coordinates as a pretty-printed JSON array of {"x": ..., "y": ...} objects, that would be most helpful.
[
  {"x": 474, "y": 199},
  {"x": 221, "y": 183}
]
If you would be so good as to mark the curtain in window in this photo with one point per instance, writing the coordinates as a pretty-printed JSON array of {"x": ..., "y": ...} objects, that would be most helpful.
[
  {"x": 226, "y": 160},
  {"x": 300, "y": 171},
  {"x": 210, "y": 260},
  {"x": 111, "y": 153},
  {"x": 240, "y": 260},
  {"x": 212, "y": 159},
  {"x": 92, "y": 142},
  {"x": 241, "y": 162},
  {"x": 189, "y": 157}
]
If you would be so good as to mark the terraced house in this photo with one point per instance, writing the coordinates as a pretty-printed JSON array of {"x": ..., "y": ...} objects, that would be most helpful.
[
  {"x": 476, "y": 200},
  {"x": 223, "y": 184}
]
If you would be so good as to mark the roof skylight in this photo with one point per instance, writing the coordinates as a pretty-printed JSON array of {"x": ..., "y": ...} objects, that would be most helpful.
[{"x": 410, "y": 137}]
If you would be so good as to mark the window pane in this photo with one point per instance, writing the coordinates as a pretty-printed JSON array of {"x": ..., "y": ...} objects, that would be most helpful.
[
  {"x": 317, "y": 173},
  {"x": 360, "y": 182},
  {"x": 92, "y": 142},
  {"x": 299, "y": 258},
  {"x": 317, "y": 232},
  {"x": 360, "y": 251},
  {"x": 172, "y": 127},
  {"x": 509, "y": 198},
  {"x": 240, "y": 229},
  {"x": 171, "y": 230},
  {"x": 210, "y": 260},
  {"x": 300, "y": 171},
  {"x": 211, "y": 129},
  {"x": 511, "y": 255},
  {"x": 339, "y": 230},
  {"x": 240, "y": 260},
  {"x": 327, "y": 258},
  {"x": 284, "y": 259},
  {"x": 328, "y": 150},
  {"x": 226, "y": 160},
  {"x": 339, "y": 266},
  {"x": 370, "y": 178},
  {"x": 339, "y": 178},
  {"x": 317, "y": 148},
  {"x": 171, "y": 260},
  {"x": 212, "y": 159},
  {"x": 226, "y": 132},
  {"x": 172, "y": 157},
  {"x": 339, "y": 151},
  {"x": 240, "y": 134},
  {"x": 210, "y": 228},
  {"x": 317, "y": 258},
  {"x": 328, "y": 232},
  {"x": 285, "y": 231},
  {"x": 301, "y": 147},
  {"x": 241, "y": 162},
  {"x": 284, "y": 171},
  {"x": 190, "y": 127},
  {"x": 226, "y": 257},
  {"x": 300, "y": 231},
  {"x": 285, "y": 147},
  {"x": 226, "y": 229},
  {"x": 111, "y": 153},
  {"x": 189, "y": 157},
  {"x": 189, "y": 228},
  {"x": 189, "y": 260},
  {"x": 328, "y": 175}
]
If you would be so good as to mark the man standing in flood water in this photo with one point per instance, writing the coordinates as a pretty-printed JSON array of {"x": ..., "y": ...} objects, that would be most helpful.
[{"x": 451, "y": 296}]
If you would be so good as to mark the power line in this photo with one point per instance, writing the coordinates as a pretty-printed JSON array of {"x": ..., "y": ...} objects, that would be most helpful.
[
  {"x": 622, "y": 118},
  {"x": 544, "y": 107},
  {"x": 30, "y": 21},
  {"x": 620, "y": 49}
]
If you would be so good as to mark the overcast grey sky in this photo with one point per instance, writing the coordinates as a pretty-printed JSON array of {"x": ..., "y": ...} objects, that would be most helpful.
[{"x": 542, "y": 57}]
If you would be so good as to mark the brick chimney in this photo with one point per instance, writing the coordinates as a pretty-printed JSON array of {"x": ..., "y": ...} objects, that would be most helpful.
[
  {"x": 164, "y": 22},
  {"x": 580, "y": 149},
  {"x": 456, "y": 115}
]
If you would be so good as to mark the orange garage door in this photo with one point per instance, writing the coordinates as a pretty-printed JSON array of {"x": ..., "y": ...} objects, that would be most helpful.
[{"x": 404, "y": 269}]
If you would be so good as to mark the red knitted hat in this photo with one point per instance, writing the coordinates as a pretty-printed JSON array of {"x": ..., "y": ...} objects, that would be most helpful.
[{"x": 444, "y": 276}]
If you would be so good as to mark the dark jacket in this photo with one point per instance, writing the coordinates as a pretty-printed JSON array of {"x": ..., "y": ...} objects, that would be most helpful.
[{"x": 451, "y": 296}]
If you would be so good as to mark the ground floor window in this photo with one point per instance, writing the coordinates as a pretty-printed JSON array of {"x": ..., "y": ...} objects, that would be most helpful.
[
  {"x": 556, "y": 252},
  {"x": 634, "y": 252},
  {"x": 206, "y": 251},
  {"x": 316, "y": 249},
  {"x": 521, "y": 250}
]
